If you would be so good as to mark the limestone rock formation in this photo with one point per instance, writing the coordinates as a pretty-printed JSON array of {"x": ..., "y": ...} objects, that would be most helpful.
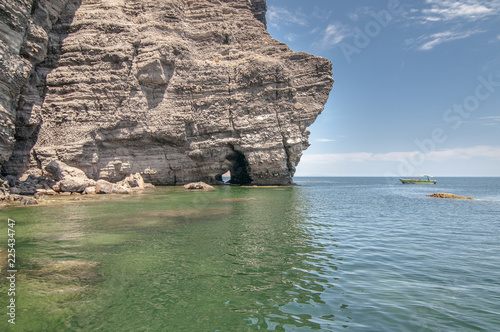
[
  {"x": 176, "y": 90},
  {"x": 25, "y": 27}
]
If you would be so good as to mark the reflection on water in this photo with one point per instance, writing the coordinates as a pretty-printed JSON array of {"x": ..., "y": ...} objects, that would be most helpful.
[
  {"x": 234, "y": 259},
  {"x": 339, "y": 253}
]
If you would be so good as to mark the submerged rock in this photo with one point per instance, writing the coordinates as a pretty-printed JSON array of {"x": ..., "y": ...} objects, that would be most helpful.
[
  {"x": 26, "y": 200},
  {"x": 451, "y": 196},
  {"x": 66, "y": 272},
  {"x": 199, "y": 186}
]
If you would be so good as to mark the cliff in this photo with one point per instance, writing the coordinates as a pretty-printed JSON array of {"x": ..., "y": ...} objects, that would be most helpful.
[{"x": 176, "y": 90}]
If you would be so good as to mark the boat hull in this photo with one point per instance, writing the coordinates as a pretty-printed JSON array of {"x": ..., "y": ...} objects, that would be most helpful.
[{"x": 409, "y": 181}]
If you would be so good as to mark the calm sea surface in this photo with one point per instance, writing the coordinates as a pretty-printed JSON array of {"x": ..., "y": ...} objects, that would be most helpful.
[{"x": 333, "y": 254}]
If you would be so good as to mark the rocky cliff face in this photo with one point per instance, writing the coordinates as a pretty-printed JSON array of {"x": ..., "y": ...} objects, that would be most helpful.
[
  {"x": 177, "y": 90},
  {"x": 24, "y": 41}
]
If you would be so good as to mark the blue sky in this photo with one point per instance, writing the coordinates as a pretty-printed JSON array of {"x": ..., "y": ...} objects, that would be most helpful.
[{"x": 417, "y": 85}]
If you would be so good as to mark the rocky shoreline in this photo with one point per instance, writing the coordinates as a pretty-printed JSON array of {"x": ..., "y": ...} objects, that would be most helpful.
[
  {"x": 59, "y": 179},
  {"x": 63, "y": 180}
]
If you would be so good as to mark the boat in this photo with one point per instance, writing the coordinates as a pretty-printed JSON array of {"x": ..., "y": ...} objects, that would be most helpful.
[{"x": 419, "y": 180}]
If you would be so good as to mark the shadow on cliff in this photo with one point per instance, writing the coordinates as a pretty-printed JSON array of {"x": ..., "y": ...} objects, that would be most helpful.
[
  {"x": 153, "y": 79},
  {"x": 32, "y": 96}
]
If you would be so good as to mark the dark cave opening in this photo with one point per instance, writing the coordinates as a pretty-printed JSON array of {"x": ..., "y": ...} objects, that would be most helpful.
[{"x": 239, "y": 172}]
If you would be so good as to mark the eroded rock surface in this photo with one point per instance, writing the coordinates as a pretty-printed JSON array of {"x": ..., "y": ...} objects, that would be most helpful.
[
  {"x": 27, "y": 40},
  {"x": 176, "y": 90}
]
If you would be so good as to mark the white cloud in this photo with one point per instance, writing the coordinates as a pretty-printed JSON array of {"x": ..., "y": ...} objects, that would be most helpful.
[
  {"x": 329, "y": 158},
  {"x": 450, "y": 10},
  {"x": 493, "y": 120},
  {"x": 492, "y": 117},
  {"x": 277, "y": 16},
  {"x": 334, "y": 34},
  {"x": 428, "y": 42},
  {"x": 324, "y": 140},
  {"x": 454, "y": 19},
  {"x": 491, "y": 152},
  {"x": 290, "y": 37},
  {"x": 482, "y": 151}
]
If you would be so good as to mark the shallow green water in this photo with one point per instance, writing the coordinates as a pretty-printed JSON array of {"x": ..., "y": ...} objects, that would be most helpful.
[
  {"x": 330, "y": 255},
  {"x": 165, "y": 260}
]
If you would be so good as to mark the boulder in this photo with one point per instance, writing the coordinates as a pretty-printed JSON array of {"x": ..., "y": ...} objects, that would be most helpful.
[
  {"x": 59, "y": 170},
  {"x": 74, "y": 184},
  {"x": 71, "y": 179},
  {"x": 89, "y": 190},
  {"x": 56, "y": 187},
  {"x": 199, "y": 186},
  {"x": 26, "y": 200},
  {"x": 133, "y": 181},
  {"x": 12, "y": 181},
  {"x": 15, "y": 191},
  {"x": 105, "y": 187},
  {"x": 48, "y": 192},
  {"x": 4, "y": 195}
]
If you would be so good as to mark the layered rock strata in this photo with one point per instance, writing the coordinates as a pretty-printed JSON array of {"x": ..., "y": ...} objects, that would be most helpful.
[
  {"x": 176, "y": 90},
  {"x": 25, "y": 26}
]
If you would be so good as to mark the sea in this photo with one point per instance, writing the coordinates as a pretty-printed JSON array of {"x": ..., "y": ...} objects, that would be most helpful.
[{"x": 330, "y": 254}]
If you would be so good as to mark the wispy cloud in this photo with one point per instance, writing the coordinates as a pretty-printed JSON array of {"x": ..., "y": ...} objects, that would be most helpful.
[
  {"x": 290, "y": 37},
  {"x": 329, "y": 158},
  {"x": 451, "y": 20},
  {"x": 490, "y": 152},
  {"x": 483, "y": 151},
  {"x": 324, "y": 140},
  {"x": 446, "y": 10},
  {"x": 278, "y": 16},
  {"x": 334, "y": 34},
  {"x": 493, "y": 120},
  {"x": 428, "y": 42}
]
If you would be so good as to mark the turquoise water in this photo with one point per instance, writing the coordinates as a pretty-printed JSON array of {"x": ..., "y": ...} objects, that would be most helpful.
[{"x": 333, "y": 254}]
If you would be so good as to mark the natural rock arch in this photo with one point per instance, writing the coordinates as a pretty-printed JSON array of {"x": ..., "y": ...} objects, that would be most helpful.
[{"x": 240, "y": 172}]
